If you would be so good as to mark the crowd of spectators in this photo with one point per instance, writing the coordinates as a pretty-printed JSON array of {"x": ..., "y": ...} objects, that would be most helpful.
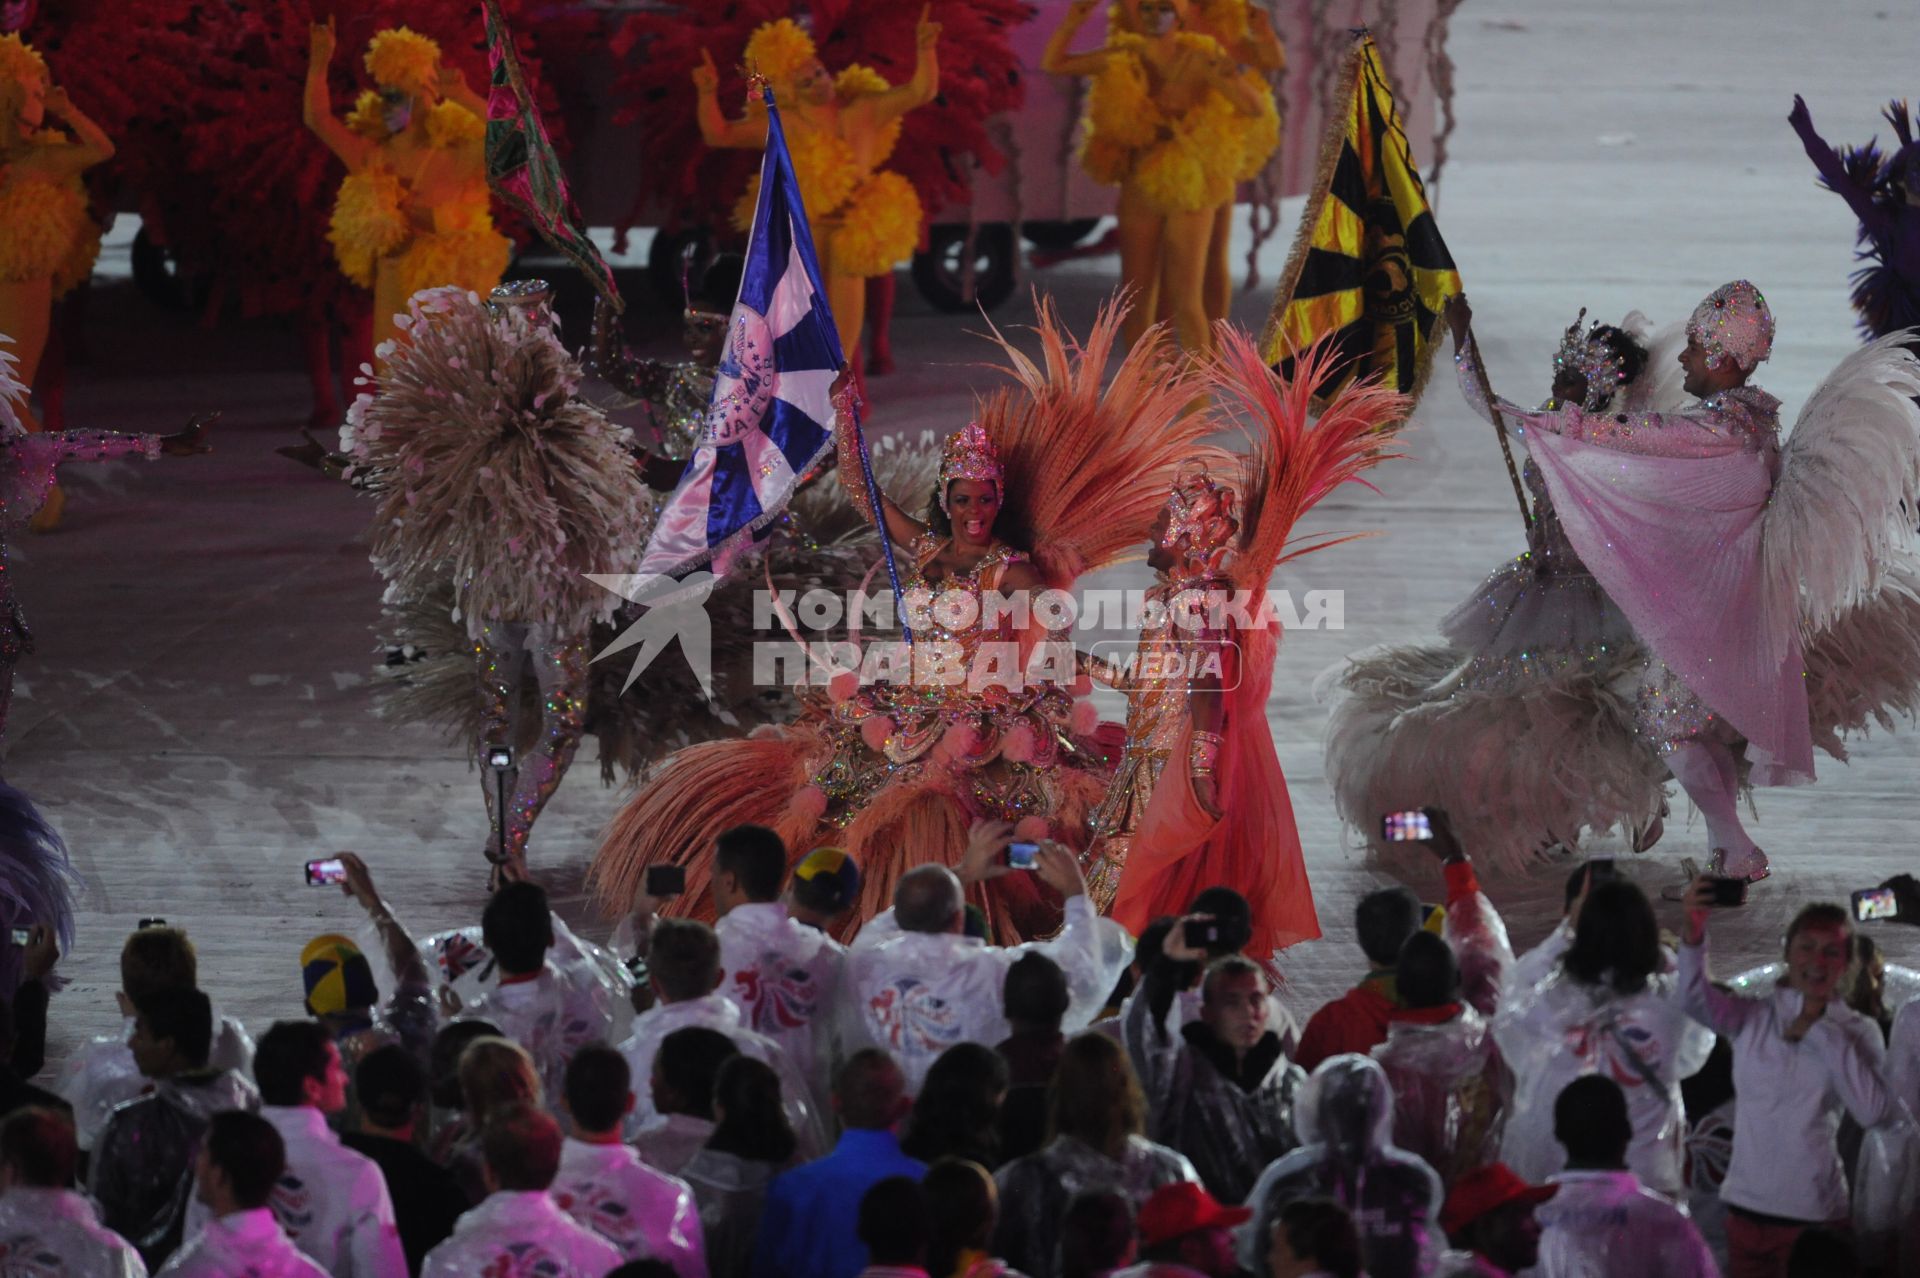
[{"x": 755, "y": 1099}]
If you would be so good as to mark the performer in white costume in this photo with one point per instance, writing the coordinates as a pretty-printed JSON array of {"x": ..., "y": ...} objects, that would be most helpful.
[
  {"x": 1750, "y": 570},
  {"x": 1523, "y": 688}
]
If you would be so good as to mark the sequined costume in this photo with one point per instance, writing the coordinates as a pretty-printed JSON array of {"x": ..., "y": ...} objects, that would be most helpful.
[
  {"x": 513, "y": 497},
  {"x": 1157, "y": 725},
  {"x": 1748, "y": 568},
  {"x": 1196, "y": 700},
  {"x": 895, "y": 771},
  {"x": 27, "y": 475},
  {"x": 1523, "y": 723}
]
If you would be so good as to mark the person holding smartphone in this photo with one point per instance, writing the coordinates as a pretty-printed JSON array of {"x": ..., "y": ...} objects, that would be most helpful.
[
  {"x": 916, "y": 984},
  {"x": 1357, "y": 1021},
  {"x": 1221, "y": 1089},
  {"x": 1801, "y": 1058},
  {"x": 1606, "y": 1004}
]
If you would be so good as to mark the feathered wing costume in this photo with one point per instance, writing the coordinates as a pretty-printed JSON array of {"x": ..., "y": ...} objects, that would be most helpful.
[
  {"x": 1296, "y": 457},
  {"x": 1521, "y": 724},
  {"x": 1765, "y": 583},
  {"x": 894, "y": 773},
  {"x": 488, "y": 471},
  {"x": 1838, "y": 555}
]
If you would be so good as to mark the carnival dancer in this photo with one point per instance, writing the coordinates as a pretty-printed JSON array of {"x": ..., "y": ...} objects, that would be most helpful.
[
  {"x": 840, "y": 131},
  {"x": 491, "y": 472},
  {"x": 1055, "y": 478},
  {"x": 27, "y": 466},
  {"x": 1723, "y": 548},
  {"x": 1245, "y": 31},
  {"x": 1521, "y": 724},
  {"x": 414, "y": 210},
  {"x": 47, "y": 240},
  {"x": 1199, "y": 799},
  {"x": 675, "y": 393},
  {"x": 1884, "y": 193},
  {"x": 1167, "y": 123}
]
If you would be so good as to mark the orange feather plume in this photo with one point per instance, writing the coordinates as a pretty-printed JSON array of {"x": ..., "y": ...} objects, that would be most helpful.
[
  {"x": 1294, "y": 458},
  {"x": 1091, "y": 466}
]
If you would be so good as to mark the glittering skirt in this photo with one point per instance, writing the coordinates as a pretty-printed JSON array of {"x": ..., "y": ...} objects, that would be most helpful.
[
  {"x": 1525, "y": 726},
  {"x": 1544, "y": 717}
]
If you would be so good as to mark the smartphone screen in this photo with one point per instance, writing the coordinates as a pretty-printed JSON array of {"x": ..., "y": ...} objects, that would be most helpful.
[
  {"x": 326, "y": 870},
  {"x": 1873, "y": 904},
  {"x": 21, "y": 935},
  {"x": 1406, "y": 827},
  {"x": 666, "y": 880},
  {"x": 1021, "y": 856}
]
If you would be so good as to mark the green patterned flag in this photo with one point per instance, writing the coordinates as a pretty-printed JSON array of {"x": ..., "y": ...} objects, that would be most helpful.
[{"x": 521, "y": 165}]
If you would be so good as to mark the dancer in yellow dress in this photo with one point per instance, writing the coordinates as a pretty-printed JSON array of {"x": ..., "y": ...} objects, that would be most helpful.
[
  {"x": 413, "y": 212},
  {"x": 47, "y": 241},
  {"x": 840, "y": 130},
  {"x": 1167, "y": 123},
  {"x": 1245, "y": 31}
]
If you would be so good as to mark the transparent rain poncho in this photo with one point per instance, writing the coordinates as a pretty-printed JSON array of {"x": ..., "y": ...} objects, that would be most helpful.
[{"x": 1344, "y": 1115}]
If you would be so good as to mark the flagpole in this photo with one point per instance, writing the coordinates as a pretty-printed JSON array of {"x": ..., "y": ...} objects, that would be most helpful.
[
  {"x": 878, "y": 505},
  {"x": 1500, "y": 429}
]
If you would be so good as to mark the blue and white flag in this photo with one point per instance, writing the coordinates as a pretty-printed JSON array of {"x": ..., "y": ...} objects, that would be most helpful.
[{"x": 772, "y": 413}]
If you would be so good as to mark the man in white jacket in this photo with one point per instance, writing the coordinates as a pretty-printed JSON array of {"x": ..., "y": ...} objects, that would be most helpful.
[
  {"x": 551, "y": 1011},
  {"x": 1603, "y": 1222},
  {"x": 603, "y": 1184},
  {"x": 103, "y": 1074},
  {"x": 916, "y": 984},
  {"x": 683, "y": 966},
  {"x": 519, "y": 1229},
  {"x": 40, "y": 1214},
  {"x": 238, "y": 1168},
  {"x": 783, "y": 975},
  {"x": 332, "y": 1201}
]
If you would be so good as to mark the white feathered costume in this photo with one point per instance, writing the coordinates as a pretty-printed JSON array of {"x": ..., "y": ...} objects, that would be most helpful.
[{"x": 1770, "y": 593}]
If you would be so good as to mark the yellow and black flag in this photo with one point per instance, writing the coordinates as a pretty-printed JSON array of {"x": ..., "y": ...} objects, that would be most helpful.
[{"x": 1369, "y": 269}]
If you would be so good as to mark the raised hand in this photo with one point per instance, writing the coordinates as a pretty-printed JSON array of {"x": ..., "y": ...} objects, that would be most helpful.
[
  {"x": 1059, "y": 869},
  {"x": 926, "y": 32},
  {"x": 320, "y": 43},
  {"x": 986, "y": 854},
  {"x": 1459, "y": 317},
  {"x": 1444, "y": 843},
  {"x": 1800, "y": 117},
  {"x": 706, "y": 76}
]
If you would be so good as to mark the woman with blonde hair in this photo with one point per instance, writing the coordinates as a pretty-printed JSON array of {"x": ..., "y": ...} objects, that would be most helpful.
[{"x": 495, "y": 1074}]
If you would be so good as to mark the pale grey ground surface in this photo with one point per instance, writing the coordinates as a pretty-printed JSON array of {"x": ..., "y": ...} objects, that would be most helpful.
[{"x": 196, "y": 721}]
